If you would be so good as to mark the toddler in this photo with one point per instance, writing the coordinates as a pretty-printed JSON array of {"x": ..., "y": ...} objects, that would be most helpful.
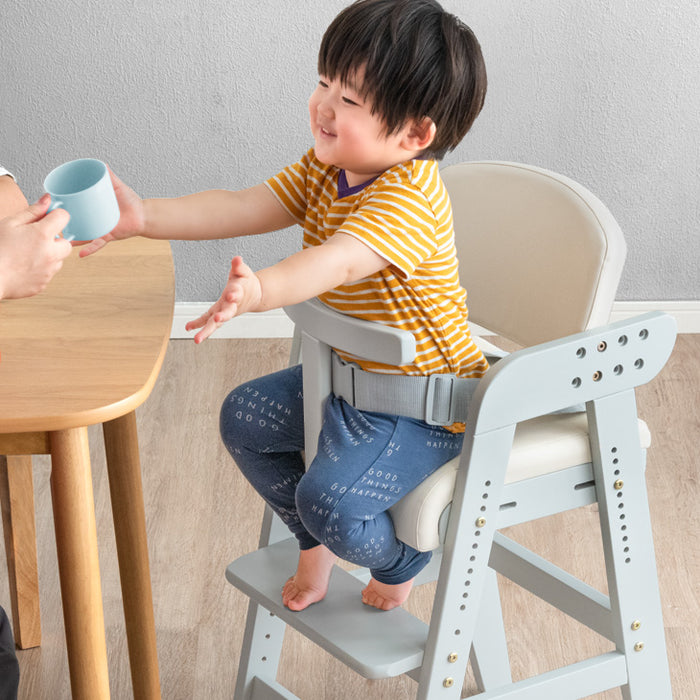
[{"x": 400, "y": 84}]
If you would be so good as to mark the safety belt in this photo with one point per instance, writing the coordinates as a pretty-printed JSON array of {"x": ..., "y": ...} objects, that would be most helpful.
[{"x": 437, "y": 399}]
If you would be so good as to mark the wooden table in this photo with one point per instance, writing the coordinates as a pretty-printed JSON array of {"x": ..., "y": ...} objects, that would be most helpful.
[{"x": 86, "y": 351}]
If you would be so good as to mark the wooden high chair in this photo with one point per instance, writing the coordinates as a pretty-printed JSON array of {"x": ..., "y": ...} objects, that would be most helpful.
[{"x": 541, "y": 258}]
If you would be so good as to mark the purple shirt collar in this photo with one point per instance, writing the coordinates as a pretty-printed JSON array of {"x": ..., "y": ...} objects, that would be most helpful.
[{"x": 344, "y": 190}]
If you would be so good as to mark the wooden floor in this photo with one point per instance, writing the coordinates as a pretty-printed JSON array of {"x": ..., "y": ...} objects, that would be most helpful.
[{"x": 201, "y": 515}]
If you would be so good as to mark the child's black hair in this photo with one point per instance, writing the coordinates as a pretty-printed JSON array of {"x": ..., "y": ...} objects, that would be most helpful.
[{"x": 418, "y": 61}]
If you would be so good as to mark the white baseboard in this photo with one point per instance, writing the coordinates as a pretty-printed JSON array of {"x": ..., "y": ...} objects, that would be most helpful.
[
  {"x": 275, "y": 324},
  {"x": 686, "y": 313},
  {"x": 269, "y": 324}
]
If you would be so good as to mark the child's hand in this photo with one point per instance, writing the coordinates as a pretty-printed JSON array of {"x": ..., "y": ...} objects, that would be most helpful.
[
  {"x": 131, "y": 219},
  {"x": 242, "y": 293}
]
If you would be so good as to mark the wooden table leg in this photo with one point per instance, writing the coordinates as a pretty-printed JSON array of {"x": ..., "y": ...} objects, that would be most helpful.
[
  {"x": 17, "y": 500},
  {"x": 124, "y": 468},
  {"x": 78, "y": 564}
]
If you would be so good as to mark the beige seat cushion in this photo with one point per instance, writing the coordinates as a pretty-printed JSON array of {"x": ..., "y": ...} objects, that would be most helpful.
[{"x": 541, "y": 445}]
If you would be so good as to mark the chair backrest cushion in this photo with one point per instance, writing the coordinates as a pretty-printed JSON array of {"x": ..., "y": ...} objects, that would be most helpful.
[{"x": 540, "y": 256}]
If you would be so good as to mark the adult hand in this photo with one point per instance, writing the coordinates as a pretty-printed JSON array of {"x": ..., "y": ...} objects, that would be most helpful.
[
  {"x": 131, "y": 219},
  {"x": 242, "y": 293},
  {"x": 31, "y": 249}
]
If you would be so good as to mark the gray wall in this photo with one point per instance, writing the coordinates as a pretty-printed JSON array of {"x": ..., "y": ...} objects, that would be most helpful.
[{"x": 186, "y": 95}]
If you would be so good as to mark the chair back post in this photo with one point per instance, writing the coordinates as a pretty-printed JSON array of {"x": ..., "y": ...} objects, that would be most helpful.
[{"x": 317, "y": 387}]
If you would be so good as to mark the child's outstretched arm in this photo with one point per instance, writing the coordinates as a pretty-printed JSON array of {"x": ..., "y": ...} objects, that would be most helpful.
[
  {"x": 304, "y": 275},
  {"x": 201, "y": 216}
]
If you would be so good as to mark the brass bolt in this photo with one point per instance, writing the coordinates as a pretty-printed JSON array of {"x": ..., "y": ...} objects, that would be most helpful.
[
  {"x": 639, "y": 646},
  {"x": 619, "y": 484},
  {"x": 480, "y": 522},
  {"x": 448, "y": 682},
  {"x": 452, "y": 658},
  {"x": 636, "y": 625}
]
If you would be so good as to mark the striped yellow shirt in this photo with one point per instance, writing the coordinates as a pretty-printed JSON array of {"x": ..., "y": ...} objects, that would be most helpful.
[{"x": 405, "y": 216}]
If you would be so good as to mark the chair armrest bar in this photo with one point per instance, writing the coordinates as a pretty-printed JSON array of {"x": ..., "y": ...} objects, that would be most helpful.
[
  {"x": 372, "y": 341},
  {"x": 579, "y": 368}
]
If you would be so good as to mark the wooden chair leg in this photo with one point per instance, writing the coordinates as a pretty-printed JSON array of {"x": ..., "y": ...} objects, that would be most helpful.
[
  {"x": 78, "y": 564},
  {"x": 264, "y": 634},
  {"x": 629, "y": 547},
  {"x": 128, "y": 510},
  {"x": 489, "y": 654},
  {"x": 17, "y": 500}
]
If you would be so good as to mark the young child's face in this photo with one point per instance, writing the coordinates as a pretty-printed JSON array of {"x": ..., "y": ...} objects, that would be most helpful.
[{"x": 348, "y": 135}]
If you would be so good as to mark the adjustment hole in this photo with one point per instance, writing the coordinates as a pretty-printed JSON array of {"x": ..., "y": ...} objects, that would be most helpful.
[
  {"x": 618, "y": 370},
  {"x": 581, "y": 353},
  {"x": 622, "y": 340},
  {"x": 576, "y": 382},
  {"x": 597, "y": 376},
  {"x": 639, "y": 363},
  {"x": 643, "y": 334}
]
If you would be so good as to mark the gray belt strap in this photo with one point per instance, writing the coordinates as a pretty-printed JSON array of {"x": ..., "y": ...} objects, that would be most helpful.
[{"x": 438, "y": 399}]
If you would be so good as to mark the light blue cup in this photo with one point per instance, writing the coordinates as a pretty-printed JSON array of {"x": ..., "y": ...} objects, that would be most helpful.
[{"x": 84, "y": 189}]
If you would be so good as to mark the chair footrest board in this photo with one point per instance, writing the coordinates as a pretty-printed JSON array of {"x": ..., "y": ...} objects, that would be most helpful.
[{"x": 375, "y": 643}]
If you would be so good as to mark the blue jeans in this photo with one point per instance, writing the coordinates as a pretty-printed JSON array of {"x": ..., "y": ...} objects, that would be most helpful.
[{"x": 365, "y": 463}]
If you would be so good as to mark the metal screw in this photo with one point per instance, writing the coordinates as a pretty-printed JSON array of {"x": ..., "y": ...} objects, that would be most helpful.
[
  {"x": 619, "y": 484},
  {"x": 636, "y": 625},
  {"x": 452, "y": 658},
  {"x": 480, "y": 522},
  {"x": 602, "y": 346},
  {"x": 639, "y": 646},
  {"x": 448, "y": 682}
]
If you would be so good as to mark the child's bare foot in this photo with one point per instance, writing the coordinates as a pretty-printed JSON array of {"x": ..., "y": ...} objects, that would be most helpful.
[
  {"x": 310, "y": 583},
  {"x": 386, "y": 596}
]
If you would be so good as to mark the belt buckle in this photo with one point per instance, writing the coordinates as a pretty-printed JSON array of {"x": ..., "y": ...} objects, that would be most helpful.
[{"x": 433, "y": 392}]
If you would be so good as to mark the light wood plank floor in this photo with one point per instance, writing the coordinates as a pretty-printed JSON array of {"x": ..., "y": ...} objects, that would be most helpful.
[{"x": 201, "y": 515}]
